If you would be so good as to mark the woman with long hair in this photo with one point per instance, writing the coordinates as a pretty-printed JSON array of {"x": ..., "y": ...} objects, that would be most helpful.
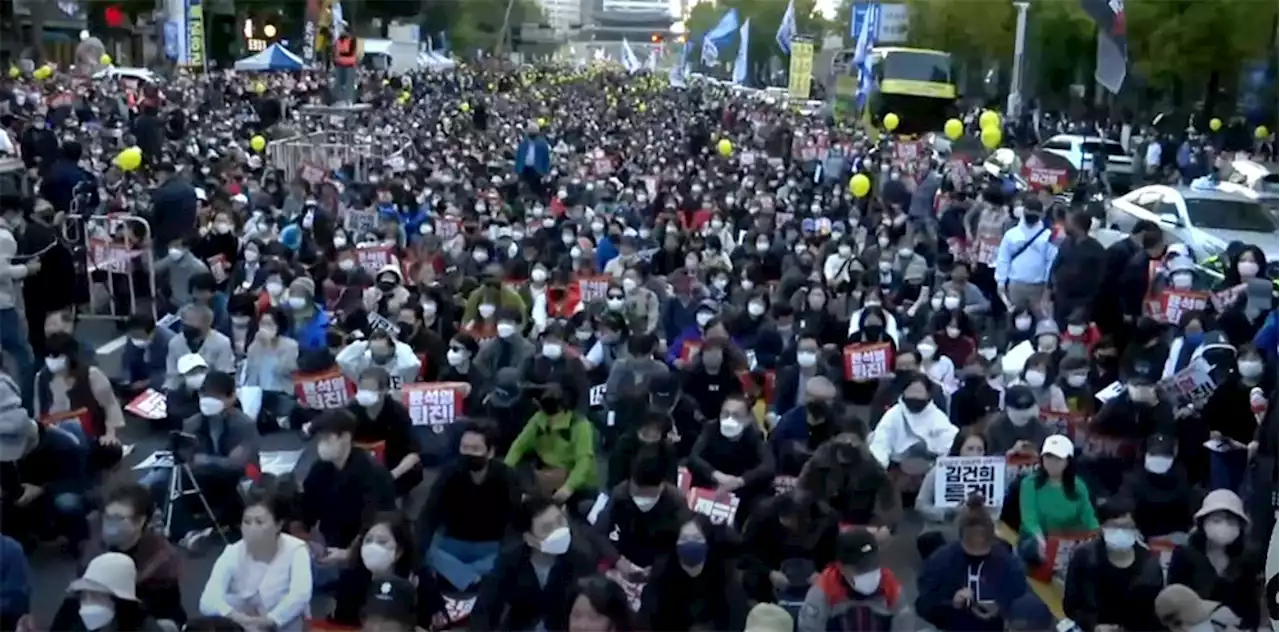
[
  {"x": 598, "y": 604},
  {"x": 1053, "y": 500}
]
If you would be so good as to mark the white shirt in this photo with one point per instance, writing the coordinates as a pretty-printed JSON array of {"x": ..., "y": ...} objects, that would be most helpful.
[
  {"x": 900, "y": 429},
  {"x": 279, "y": 589}
]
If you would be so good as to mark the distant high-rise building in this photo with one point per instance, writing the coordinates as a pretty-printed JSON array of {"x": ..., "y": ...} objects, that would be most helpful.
[
  {"x": 562, "y": 14},
  {"x": 636, "y": 6}
]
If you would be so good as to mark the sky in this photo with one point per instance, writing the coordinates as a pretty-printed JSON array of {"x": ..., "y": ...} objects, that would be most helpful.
[{"x": 827, "y": 7}]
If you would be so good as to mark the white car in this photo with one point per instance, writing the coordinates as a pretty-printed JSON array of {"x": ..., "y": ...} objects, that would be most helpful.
[
  {"x": 1254, "y": 181},
  {"x": 125, "y": 72},
  {"x": 1080, "y": 150},
  {"x": 1204, "y": 218}
]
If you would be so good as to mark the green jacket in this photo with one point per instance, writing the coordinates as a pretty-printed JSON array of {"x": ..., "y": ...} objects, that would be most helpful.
[
  {"x": 1048, "y": 511},
  {"x": 566, "y": 440}
]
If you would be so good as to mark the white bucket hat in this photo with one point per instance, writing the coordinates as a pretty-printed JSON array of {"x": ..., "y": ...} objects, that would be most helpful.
[{"x": 110, "y": 573}]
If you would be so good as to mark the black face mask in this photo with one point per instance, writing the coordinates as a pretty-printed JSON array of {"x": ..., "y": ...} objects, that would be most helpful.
[
  {"x": 386, "y": 286},
  {"x": 817, "y": 410},
  {"x": 874, "y": 332},
  {"x": 1031, "y": 218},
  {"x": 475, "y": 462},
  {"x": 192, "y": 334},
  {"x": 549, "y": 405},
  {"x": 915, "y": 405}
]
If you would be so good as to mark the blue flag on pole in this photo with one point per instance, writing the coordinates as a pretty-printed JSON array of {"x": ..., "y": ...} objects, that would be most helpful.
[
  {"x": 787, "y": 29},
  {"x": 740, "y": 63}
]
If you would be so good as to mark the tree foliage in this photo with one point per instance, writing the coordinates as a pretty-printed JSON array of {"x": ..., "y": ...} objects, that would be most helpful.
[{"x": 765, "y": 16}]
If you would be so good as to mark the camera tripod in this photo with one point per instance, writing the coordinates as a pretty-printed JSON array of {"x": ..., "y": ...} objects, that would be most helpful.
[{"x": 179, "y": 470}]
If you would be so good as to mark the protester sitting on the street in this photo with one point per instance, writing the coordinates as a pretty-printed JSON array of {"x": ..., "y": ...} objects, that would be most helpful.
[
  {"x": 384, "y": 352},
  {"x": 142, "y": 363},
  {"x": 598, "y": 604},
  {"x": 914, "y": 429},
  {"x": 102, "y": 598},
  {"x": 264, "y": 580},
  {"x": 1180, "y": 609},
  {"x": 973, "y": 582},
  {"x": 385, "y": 550},
  {"x": 219, "y": 443},
  {"x": 786, "y": 540},
  {"x": 15, "y": 583},
  {"x": 1164, "y": 498},
  {"x": 468, "y": 512},
  {"x": 43, "y": 480},
  {"x": 341, "y": 493},
  {"x": 967, "y": 444},
  {"x": 1113, "y": 580},
  {"x": 199, "y": 337},
  {"x": 390, "y": 605},
  {"x": 1053, "y": 500},
  {"x": 556, "y": 450},
  {"x": 855, "y": 592},
  {"x": 182, "y": 400},
  {"x": 384, "y": 428},
  {"x": 732, "y": 455},
  {"x": 533, "y": 576},
  {"x": 695, "y": 585},
  {"x": 269, "y": 364},
  {"x": 1216, "y": 561},
  {"x": 844, "y": 474},
  {"x": 310, "y": 320},
  {"x": 1016, "y": 430},
  {"x": 77, "y": 397},
  {"x": 640, "y": 521},
  {"x": 127, "y": 527}
]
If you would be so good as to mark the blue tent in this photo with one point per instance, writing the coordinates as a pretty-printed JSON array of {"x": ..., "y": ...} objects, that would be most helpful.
[{"x": 275, "y": 57}]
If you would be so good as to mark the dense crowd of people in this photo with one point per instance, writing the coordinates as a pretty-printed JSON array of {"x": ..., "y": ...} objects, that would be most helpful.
[{"x": 650, "y": 358}]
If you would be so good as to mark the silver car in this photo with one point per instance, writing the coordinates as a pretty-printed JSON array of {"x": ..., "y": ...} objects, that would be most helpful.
[{"x": 1205, "y": 219}]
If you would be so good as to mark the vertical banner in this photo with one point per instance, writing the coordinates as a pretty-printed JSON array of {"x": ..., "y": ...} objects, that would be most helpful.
[
  {"x": 310, "y": 31},
  {"x": 801, "y": 72},
  {"x": 195, "y": 33}
]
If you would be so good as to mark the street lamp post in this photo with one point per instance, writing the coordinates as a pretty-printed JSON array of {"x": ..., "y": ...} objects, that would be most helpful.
[{"x": 1014, "y": 104}]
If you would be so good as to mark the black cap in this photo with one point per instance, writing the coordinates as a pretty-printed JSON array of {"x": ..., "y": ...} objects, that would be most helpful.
[
  {"x": 334, "y": 422},
  {"x": 506, "y": 388},
  {"x": 218, "y": 384},
  {"x": 394, "y": 599},
  {"x": 1019, "y": 396},
  {"x": 664, "y": 390},
  {"x": 858, "y": 548},
  {"x": 1143, "y": 372},
  {"x": 1162, "y": 445}
]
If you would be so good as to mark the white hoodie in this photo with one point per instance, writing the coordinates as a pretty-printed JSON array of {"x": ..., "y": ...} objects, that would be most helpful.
[{"x": 900, "y": 429}]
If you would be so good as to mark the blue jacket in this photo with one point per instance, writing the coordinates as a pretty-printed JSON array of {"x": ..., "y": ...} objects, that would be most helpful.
[
  {"x": 311, "y": 334},
  {"x": 541, "y": 154},
  {"x": 147, "y": 363},
  {"x": 1003, "y": 579},
  {"x": 15, "y": 583},
  {"x": 676, "y": 319},
  {"x": 792, "y": 426},
  {"x": 61, "y": 181},
  {"x": 675, "y": 349},
  {"x": 1268, "y": 338},
  {"x": 605, "y": 252}
]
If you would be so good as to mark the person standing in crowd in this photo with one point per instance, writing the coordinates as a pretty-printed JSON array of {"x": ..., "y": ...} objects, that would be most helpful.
[
  {"x": 12, "y": 317},
  {"x": 1025, "y": 258}
]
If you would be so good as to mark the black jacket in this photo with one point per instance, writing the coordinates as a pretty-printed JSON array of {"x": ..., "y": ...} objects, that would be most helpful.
[
  {"x": 59, "y": 186},
  {"x": 710, "y": 390},
  {"x": 748, "y": 456},
  {"x": 1087, "y": 600},
  {"x": 511, "y": 598},
  {"x": 1164, "y": 503},
  {"x": 1077, "y": 269},
  {"x": 492, "y": 504},
  {"x": 339, "y": 502},
  {"x": 714, "y": 600},
  {"x": 623, "y": 530},
  {"x": 1237, "y": 588},
  {"x": 173, "y": 212}
]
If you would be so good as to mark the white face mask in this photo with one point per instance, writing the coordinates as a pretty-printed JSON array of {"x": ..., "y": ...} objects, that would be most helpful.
[
  {"x": 953, "y": 332},
  {"x": 55, "y": 364},
  {"x": 347, "y": 264},
  {"x": 175, "y": 254},
  {"x": 936, "y": 303},
  {"x": 251, "y": 256},
  {"x": 1221, "y": 531},
  {"x": 1182, "y": 281},
  {"x": 366, "y": 397},
  {"x": 806, "y": 358},
  {"x": 845, "y": 251},
  {"x": 951, "y": 302},
  {"x": 762, "y": 245},
  {"x": 210, "y": 406},
  {"x": 615, "y": 304},
  {"x": 1047, "y": 344},
  {"x": 96, "y": 616},
  {"x": 927, "y": 351},
  {"x": 505, "y": 330},
  {"x": 487, "y": 309},
  {"x": 552, "y": 351},
  {"x": 731, "y": 428},
  {"x": 703, "y": 318},
  {"x": 456, "y": 357},
  {"x": 629, "y": 285},
  {"x": 1035, "y": 379},
  {"x": 1022, "y": 416},
  {"x": 480, "y": 256},
  {"x": 194, "y": 382},
  {"x": 376, "y": 557},
  {"x": 274, "y": 288},
  {"x": 1247, "y": 269},
  {"x": 297, "y": 302},
  {"x": 755, "y": 309},
  {"x": 538, "y": 275},
  {"x": 1157, "y": 464},
  {"x": 988, "y": 353},
  {"x": 644, "y": 503},
  {"x": 1118, "y": 539},
  {"x": 1023, "y": 323},
  {"x": 866, "y": 583},
  {"x": 1076, "y": 330},
  {"x": 1250, "y": 368},
  {"x": 557, "y": 542},
  {"x": 1077, "y": 380}
]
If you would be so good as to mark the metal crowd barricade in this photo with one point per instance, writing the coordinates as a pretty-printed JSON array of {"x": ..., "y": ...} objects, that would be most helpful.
[
  {"x": 312, "y": 155},
  {"x": 113, "y": 256}
]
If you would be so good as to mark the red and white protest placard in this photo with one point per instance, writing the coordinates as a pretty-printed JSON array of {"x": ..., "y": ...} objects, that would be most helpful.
[
  {"x": 326, "y": 390},
  {"x": 458, "y": 609},
  {"x": 311, "y": 173},
  {"x": 1042, "y": 177},
  {"x": 373, "y": 257},
  {"x": 689, "y": 349},
  {"x": 219, "y": 267},
  {"x": 719, "y": 507},
  {"x": 1016, "y": 465},
  {"x": 684, "y": 481},
  {"x": 867, "y": 361},
  {"x": 434, "y": 404},
  {"x": 359, "y": 222},
  {"x": 1058, "y": 550},
  {"x": 604, "y": 166},
  {"x": 150, "y": 405},
  {"x": 109, "y": 256},
  {"x": 783, "y": 484},
  {"x": 1226, "y": 298},
  {"x": 593, "y": 288},
  {"x": 984, "y": 251},
  {"x": 81, "y": 416},
  {"x": 1170, "y": 305}
]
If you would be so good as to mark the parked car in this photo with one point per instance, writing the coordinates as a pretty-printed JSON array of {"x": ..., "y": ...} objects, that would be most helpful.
[
  {"x": 1253, "y": 180},
  {"x": 1080, "y": 151}
]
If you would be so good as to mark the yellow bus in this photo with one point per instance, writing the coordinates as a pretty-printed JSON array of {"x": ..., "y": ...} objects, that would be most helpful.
[{"x": 916, "y": 84}]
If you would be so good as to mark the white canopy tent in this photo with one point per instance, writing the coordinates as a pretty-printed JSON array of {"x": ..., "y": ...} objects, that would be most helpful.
[
  {"x": 274, "y": 57},
  {"x": 433, "y": 60}
]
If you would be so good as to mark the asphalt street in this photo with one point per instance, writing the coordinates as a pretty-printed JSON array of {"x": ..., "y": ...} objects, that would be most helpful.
[{"x": 53, "y": 570}]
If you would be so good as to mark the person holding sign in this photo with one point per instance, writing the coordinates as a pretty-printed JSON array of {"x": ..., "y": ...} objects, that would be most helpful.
[
  {"x": 382, "y": 419},
  {"x": 642, "y": 517},
  {"x": 1053, "y": 500},
  {"x": 732, "y": 456},
  {"x": 1112, "y": 581}
]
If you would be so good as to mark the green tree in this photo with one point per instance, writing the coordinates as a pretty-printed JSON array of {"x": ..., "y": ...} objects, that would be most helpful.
[
  {"x": 1182, "y": 46},
  {"x": 1064, "y": 44},
  {"x": 974, "y": 32},
  {"x": 765, "y": 16}
]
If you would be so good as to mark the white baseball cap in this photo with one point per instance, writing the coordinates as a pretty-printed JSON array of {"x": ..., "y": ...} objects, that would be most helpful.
[{"x": 1059, "y": 446}]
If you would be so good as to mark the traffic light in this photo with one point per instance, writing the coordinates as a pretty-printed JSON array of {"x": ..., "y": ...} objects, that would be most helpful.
[
  {"x": 260, "y": 33},
  {"x": 103, "y": 18},
  {"x": 656, "y": 38}
]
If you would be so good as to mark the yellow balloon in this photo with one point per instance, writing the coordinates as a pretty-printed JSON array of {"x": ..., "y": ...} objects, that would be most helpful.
[
  {"x": 1261, "y": 132},
  {"x": 129, "y": 159},
  {"x": 1215, "y": 124},
  {"x": 258, "y": 143},
  {"x": 260, "y": 87},
  {"x": 991, "y": 137},
  {"x": 724, "y": 147},
  {"x": 542, "y": 122},
  {"x": 405, "y": 96},
  {"x": 860, "y": 185},
  {"x": 105, "y": 59},
  {"x": 465, "y": 107},
  {"x": 42, "y": 73},
  {"x": 989, "y": 118},
  {"x": 492, "y": 87},
  {"x": 954, "y": 129},
  {"x": 15, "y": 72},
  {"x": 891, "y": 121},
  {"x": 642, "y": 107}
]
